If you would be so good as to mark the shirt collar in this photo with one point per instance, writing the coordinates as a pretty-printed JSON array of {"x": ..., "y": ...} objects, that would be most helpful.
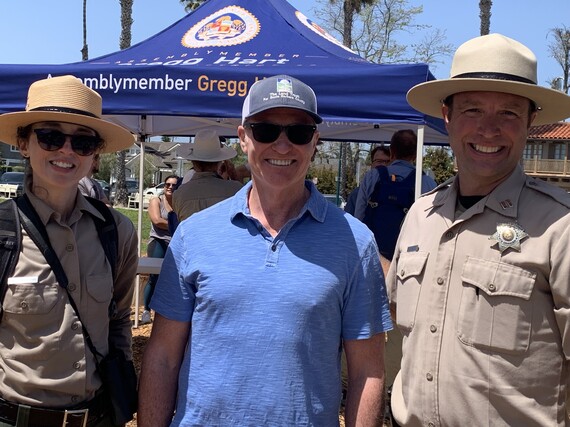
[{"x": 316, "y": 206}]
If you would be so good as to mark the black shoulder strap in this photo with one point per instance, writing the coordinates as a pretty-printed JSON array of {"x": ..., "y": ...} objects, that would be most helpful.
[
  {"x": 10, "y": 242},
  {"x": 108, "y": 233}
]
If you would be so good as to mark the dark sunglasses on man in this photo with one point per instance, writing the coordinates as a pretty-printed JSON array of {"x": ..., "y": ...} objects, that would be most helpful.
[
  {"x": 267, "y": 133},
  {"x": 81, "y": 144}
]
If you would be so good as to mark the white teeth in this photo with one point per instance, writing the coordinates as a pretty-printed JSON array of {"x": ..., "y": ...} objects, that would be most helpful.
[
  {"x": 63, "y": 165},
  {"x": 486, "y": 149},
  {"x": 276, "y": 162}
]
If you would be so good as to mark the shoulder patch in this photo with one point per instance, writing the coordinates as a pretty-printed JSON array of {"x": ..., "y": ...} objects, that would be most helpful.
[{"x": 555, "y": 193}]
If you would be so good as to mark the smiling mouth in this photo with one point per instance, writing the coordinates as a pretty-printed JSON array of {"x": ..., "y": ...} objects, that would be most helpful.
[
  {"x": 64, "y": 165},
  {"x": 276, "y": 162},
  {"x": 486, "y": 149}
]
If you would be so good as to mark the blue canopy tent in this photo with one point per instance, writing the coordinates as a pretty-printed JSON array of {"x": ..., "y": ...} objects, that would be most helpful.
[{"x": 195, "y": 73}]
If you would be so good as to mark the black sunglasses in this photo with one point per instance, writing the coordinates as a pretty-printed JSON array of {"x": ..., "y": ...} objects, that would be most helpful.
[
  {"x": 267, "y": 133},
  {"x": 53, "y": 139}
]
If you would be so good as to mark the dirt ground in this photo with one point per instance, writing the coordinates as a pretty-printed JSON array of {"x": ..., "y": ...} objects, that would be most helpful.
[{"x": 140, "y": 338}]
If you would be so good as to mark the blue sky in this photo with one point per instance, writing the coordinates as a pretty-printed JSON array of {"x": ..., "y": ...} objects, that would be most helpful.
[{"x": 50, "y": 32}]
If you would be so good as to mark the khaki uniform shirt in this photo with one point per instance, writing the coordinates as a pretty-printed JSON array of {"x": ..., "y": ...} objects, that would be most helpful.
[
  {"x": 44, "y": 360},
  {"x": 205, "y": 189},
  {"x": 486, "y": 332}
]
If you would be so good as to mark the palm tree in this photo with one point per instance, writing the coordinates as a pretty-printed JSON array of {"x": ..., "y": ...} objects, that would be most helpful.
[
  {"x": 84, "y": 50},
  {"x": 485, "y": 15},
  {"x": 190, "y": 5},
  {"x": 121, "y": 195}
]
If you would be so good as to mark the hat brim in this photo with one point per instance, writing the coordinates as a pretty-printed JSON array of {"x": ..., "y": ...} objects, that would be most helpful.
[
  {"x": 116, "y": 137},
  {"x": 225, "y": 153},
  {"x": 427, "y": 97},
  {"x": 318, "y": 119}
]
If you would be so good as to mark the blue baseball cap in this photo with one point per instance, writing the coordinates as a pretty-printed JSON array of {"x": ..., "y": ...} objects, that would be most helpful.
[{"x": 280, "y": 91}]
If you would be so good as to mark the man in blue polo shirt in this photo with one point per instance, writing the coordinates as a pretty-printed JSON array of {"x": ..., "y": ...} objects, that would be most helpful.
[{"x": 259, "y": 293}]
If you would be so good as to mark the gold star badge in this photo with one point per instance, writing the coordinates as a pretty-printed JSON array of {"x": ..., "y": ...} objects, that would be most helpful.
[{"x": 509, "y": 235}]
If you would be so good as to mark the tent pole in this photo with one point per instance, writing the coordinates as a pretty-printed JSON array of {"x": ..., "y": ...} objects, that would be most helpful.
[
  {"x": 142, "y": 138},
  {"x": 419, "y": 160}
]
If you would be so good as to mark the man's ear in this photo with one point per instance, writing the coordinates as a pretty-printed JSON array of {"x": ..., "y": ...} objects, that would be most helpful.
[{"x": 241, "y": 136}]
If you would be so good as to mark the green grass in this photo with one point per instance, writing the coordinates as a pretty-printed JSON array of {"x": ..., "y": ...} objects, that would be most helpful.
[{"x": 133, "y": 215}]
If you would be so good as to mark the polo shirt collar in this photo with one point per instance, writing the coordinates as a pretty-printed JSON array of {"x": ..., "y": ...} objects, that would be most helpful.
[{"x": 316, "y": 206}]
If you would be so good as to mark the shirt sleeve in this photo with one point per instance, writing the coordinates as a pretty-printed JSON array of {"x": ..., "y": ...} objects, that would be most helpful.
[{"x": 366, "y": 310}]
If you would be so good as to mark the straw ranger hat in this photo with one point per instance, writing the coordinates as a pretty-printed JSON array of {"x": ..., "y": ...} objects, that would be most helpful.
[
  {"x": 493, "y": 63},
  {"x": 65, "y": 99},
  {"x": 207, "y": 148}
]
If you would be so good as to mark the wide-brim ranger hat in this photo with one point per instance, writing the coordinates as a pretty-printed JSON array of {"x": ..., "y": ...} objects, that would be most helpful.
[
  {"x": 207, "y": 148},
  {"x": 280, "y": 91},
  {"x": 492, "y": 63},
  {"x": 65, "y": 99}
]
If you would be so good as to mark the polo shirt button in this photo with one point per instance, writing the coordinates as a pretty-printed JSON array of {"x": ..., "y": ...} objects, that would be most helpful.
[
  {"x": 492, "y": 288},
  {"x": 429, "y": 377},
  {"x": 449, "y": 235},
  {"x": 274, "y": 248},
  {"x": 440, "y": 281},
  {"x": 69, "y": 247},
  {"x": 433, "y": 328},
  {"x": 72, "y": 287}
]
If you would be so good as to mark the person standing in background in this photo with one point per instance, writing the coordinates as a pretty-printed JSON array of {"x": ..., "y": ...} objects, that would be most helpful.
[
  {"x": 206, "y": 187},
  {"x": 90, "y": 187},
  {"x": 379, "y": 156},
  {"x": 158, "y": 210}
]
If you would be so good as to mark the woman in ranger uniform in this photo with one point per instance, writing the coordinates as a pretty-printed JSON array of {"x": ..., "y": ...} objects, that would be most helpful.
[{"x": 49, "y": 375}]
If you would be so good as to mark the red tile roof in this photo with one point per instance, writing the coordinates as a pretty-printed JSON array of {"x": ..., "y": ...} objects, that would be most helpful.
[{"x": 556, "y": 131}]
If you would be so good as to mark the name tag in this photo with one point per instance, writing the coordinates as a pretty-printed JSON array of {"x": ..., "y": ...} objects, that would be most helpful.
[{"x": 23, "y": 280}]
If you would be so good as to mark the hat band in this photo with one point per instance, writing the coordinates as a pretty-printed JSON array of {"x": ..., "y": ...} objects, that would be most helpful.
[
  {"x": 65, "y": 110},
  {"x": 494, "y": 76}
]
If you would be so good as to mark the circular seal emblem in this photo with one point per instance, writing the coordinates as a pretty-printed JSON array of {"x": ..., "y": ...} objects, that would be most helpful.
[{"x": 228, "y": 26}]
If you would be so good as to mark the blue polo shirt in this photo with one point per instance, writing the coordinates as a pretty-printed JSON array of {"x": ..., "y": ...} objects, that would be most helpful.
[{"x": 269, "y": 314}]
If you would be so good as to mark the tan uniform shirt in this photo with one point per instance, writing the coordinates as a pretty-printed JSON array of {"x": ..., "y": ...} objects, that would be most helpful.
[
  {"x": 44, "y": 360},
  {"x": 205, "y": 189},
  {"x": 486, "y": 332}
]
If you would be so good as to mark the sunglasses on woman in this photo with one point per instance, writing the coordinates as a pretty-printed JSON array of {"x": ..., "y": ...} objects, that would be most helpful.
[
  {"x": 81, "y": 144},
  {"x": 267, "y": 133}
]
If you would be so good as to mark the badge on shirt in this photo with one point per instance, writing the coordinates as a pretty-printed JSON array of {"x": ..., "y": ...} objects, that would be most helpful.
[{"x": 509, "y": 235}]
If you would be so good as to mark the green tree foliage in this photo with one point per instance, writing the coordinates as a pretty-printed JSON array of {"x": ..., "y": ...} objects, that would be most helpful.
[
  {"x": 326, "y": 178},
  {"x": 107, "y": 164},
  {"x": 440, "y": 161}
]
